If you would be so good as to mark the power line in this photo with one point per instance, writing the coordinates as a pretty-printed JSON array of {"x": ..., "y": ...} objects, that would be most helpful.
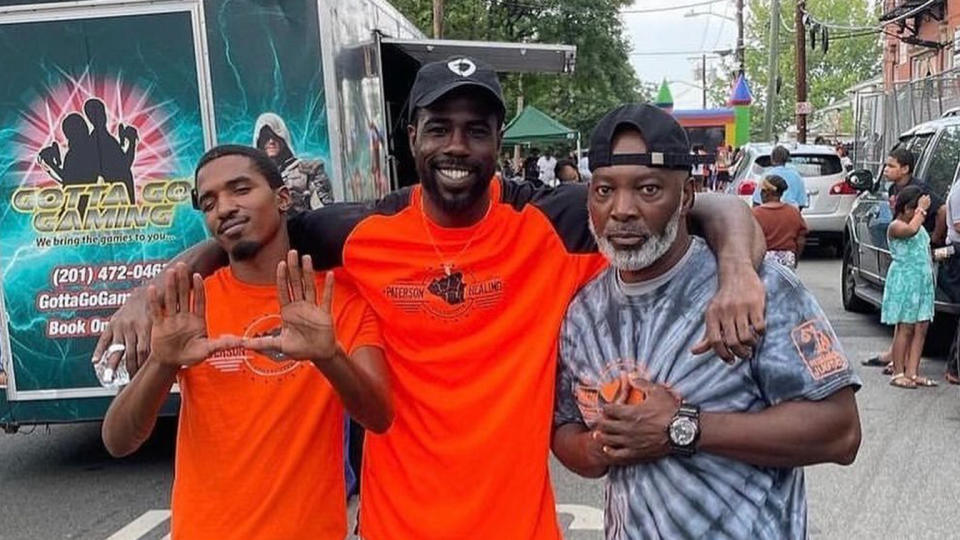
[
  {"x": 906, "y": 15},
  {"x": 723, "y": 52},
  {"x": 672, "y": 8}
]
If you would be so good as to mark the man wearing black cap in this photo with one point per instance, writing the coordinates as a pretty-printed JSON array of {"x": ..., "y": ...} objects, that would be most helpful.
[
  {"x": 691, "y": 447},
  {"x": 469, "y": 276}
]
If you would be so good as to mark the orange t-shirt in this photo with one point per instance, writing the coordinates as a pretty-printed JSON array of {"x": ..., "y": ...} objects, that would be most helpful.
[
  {"x": 260, "y": 442},
  {"x": 472, "y": 357},
  {"x": 781, "y": 224}
]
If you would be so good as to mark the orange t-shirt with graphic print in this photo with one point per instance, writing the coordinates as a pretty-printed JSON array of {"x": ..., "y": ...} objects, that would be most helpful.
[
  {"x": 260, "y": 442},
  {"x": 471, "y": 352}
]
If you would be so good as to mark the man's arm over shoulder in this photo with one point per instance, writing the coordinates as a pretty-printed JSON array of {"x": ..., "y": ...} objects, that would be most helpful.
[
  {"x": 323, "y": 233},
  {"x": 806, "y": 379}
]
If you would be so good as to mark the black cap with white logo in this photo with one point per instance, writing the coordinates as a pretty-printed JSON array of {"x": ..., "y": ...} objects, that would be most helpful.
[
  {"x": 437, "y": 79},
  {"x": 667, "y": 142}
]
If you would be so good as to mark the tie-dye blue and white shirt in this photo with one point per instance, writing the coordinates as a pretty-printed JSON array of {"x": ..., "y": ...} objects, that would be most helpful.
[{"x": 647, "y": 330}]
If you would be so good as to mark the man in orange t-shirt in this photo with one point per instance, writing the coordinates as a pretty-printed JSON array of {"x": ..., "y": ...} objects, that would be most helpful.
[
  {"x": 469, "y": 276},
  {"x": 260, "y": 441}
]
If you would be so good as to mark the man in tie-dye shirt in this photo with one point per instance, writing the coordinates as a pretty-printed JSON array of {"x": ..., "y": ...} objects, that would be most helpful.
[{"x": 691, "y": 447}]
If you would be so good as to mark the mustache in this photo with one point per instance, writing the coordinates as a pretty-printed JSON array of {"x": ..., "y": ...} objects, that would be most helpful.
[
  {"x": 452, "y": 164},
  {"x": 638, "y": 229}
]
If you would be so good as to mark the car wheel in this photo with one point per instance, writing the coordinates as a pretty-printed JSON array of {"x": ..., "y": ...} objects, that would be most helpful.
[{"x": 851, "y": 302}]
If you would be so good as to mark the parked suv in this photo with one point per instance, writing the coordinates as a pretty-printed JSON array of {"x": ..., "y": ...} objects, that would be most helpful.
[
  {"x": 866, "y": 257},
  {"x": 830, "y": 197}
]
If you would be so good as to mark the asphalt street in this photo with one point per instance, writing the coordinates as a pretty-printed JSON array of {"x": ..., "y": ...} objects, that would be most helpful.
[{"x": 58, "y": 482}]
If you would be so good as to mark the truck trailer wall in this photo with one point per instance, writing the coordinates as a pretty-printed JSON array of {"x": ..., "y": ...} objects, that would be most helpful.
[{"x": 104, "y": 114}]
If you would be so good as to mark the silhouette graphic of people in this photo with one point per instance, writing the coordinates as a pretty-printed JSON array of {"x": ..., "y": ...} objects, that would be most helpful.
[{"x": 92, "y": 154}]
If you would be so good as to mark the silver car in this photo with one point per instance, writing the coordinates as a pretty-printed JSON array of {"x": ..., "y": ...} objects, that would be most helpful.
[{"x": 830, "y": 197}]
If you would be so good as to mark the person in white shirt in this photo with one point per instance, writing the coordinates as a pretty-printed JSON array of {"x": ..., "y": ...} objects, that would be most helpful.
[
  {"x": 584, "y": 166},
  {"x": 949, "y": 271},
  {"x": 547, "y": 164}
]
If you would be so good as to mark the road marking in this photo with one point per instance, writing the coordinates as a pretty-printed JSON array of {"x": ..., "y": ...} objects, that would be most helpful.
[
  {"x": 585, "y": 518},
  {"x": 142, "y": 525}
]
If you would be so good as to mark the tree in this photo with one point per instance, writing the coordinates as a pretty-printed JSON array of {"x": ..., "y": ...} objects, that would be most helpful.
[
  {"x": 848, "y": 60},
  {"x": 603, "y": 77}
]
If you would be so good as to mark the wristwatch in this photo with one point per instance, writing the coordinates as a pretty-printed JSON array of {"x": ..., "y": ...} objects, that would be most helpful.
[{"x": 684, "y": 430}]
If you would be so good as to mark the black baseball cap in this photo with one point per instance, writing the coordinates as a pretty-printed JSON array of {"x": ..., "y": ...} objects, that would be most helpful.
[
  {"x": 437, "y": 79},
  {"x": 667, "y": 142}
]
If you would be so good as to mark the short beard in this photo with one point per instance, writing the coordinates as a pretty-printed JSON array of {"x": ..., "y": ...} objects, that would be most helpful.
[
  {"x": 458, "y": 202},
  {"x": 655, "y": 247},
  {"x": 244, "y": 250}
]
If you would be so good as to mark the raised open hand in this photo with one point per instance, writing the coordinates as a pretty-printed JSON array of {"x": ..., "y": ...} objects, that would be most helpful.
[
  {"x": 179, "y": 333},
  {"x": 308, "y": 332}
]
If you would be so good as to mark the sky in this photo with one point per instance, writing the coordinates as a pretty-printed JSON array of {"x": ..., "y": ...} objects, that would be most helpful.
[{"x": 670, "y": 31}]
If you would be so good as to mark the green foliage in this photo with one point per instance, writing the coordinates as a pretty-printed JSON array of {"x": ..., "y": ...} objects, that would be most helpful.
[
  {"x": 847, "y": 62},
  {"x": 603, "y": 77}
]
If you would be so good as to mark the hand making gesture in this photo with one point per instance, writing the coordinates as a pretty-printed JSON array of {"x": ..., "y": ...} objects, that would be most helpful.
[
  {"x": 308, "y": 332},
  {"x": 179, "y": 334}
]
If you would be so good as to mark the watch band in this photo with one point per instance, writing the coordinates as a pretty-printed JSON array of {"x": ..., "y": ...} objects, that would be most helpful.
[{"x": 691, "y": 411}]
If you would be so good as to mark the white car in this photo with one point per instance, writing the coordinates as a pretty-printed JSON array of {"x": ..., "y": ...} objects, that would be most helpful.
[{"x": 830, "y": 198}]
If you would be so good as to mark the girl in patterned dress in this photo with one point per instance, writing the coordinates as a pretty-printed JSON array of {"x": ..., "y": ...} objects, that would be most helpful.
[{"x": 908, "y": 292}]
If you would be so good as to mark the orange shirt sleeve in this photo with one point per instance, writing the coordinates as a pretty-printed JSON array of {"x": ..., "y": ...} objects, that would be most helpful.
[{"x": 356, "y": 323}]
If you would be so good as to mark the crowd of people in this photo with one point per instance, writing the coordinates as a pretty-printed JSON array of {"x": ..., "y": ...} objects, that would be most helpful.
[{"x": 473, "y": 324}]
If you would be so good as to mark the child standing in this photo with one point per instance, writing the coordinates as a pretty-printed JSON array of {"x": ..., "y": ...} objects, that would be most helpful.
[
  {"x": 908, "y": 292},
  {"x": 782, "y": 225}
]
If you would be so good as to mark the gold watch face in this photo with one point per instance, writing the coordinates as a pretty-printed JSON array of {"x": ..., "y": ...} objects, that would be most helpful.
[{"x": 683, "y": 431}]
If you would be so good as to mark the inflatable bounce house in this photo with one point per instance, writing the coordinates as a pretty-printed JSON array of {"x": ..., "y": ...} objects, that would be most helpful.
[{"x": 714, "y": 127}]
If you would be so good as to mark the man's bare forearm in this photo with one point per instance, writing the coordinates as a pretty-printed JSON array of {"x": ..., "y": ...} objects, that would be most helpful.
[
  {"x": 361, "y": 383},
  {"x": 730, "y": 230},
  {"x": 133, "y": 413},
  {"x": 791, "y": 434},
  {"x": 575, "y": 447}
]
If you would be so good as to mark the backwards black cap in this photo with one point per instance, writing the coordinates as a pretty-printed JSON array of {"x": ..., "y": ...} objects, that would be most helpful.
[
  {"x": 667, "y": 142},
  {"x": 437, "y": 79}
]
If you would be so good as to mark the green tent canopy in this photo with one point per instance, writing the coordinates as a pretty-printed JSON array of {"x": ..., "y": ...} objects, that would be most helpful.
[{"x": 533, "y": 126}]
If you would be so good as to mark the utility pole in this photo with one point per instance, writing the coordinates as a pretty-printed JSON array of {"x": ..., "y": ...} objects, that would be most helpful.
[
  {"x": 437, "y": 19},
  {"x": 772, "y": 70},
  {"x": 741, "y": 54},
  {"x": 801, "y": 73},
  {"x": 703, "y": 79}
]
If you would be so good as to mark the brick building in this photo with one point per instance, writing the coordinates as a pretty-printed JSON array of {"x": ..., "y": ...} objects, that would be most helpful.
[{"x": 927, "y": 40}]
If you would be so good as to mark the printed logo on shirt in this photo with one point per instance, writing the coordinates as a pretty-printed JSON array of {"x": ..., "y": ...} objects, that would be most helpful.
[
  {"x": 445, "y": 296},
  {"x": 817, "y": 347},
  {"x": 239, "y": 359},
  {"x": 613, "y": 385}
]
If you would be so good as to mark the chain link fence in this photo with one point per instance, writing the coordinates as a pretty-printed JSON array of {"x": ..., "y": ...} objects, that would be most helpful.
[{"x": 880, "y": 117}]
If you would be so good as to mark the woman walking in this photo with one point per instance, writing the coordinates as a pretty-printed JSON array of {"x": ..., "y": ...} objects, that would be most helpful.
[{"x": 908, "y": 292}]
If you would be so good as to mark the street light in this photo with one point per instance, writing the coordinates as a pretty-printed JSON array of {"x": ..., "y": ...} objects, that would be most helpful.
[{"x": 693, "y": 13}]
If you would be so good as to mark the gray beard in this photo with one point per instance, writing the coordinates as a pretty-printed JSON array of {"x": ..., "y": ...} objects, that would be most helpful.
[{"x": 651, "y": 251}]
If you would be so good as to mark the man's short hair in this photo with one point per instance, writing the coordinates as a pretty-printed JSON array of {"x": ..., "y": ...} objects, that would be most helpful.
[
  {"x": 780, "y": 155},
  {"x": 776, "y": 184},
  {"x": 261, "y": 161},
  {"x": 904, "y": 157},
  {"x": 564, "y": 163}
]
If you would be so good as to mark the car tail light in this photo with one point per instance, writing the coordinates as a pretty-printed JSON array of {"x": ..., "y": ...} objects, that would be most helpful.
[
  {"x": 747, "y": 187},
  {"x": 842, "y": 188}
]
